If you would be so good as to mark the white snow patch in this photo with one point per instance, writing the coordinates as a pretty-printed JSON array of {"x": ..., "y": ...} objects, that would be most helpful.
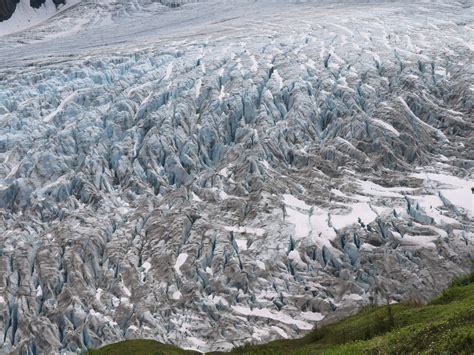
[
  {"x": 370, "y": 188},
  {"x": 222, "y": 94},
  {"x": 254, "y": 63},
  {"x": 312, "y": 316},
  {"x": 460, "y": 197},
  {"x": 242, "y": 244},
  {"x": 195, "y": 197},
  {"x": 126, "y": 291},
  {"x": 98, "y": 294},
  {"x": 453, "y": 188},
  {"x": 169, "y": 71},
  {"x": 224, "y": 171},
  {"x": 267, "y": 313},
  {"x": 102, "y": 317},
  {"x": 292, "y": 201},
  {"x": 309, "y": 221},
  {"x": 445, "y": 179},
  {"x": 223, "y": 195},
  {"x": 63, "y": 103},
  {"x": 133, "y": 328},
  {"x": 357, "y": 210},
  {"x": 180, "y": 260},
  {"x": 354, "y": 297},
  {"x": 280, "y": 331},
  {"x": 338, "y": 193},
  {"x": 260, "y": 264},
  {"x": 198, "y": 87},
  {"x": 300, "y": 221},
  {"x": 294, "y": 256},
  {"x": 429, "y": 204},
  {"x": 259, "y": 333},
  {"x": 278, "y": 78},
  {"x": 146, "y": 266}
]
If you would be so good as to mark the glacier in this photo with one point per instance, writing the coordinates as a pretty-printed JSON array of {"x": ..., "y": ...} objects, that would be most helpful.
[{"x": 212, "y": 173}]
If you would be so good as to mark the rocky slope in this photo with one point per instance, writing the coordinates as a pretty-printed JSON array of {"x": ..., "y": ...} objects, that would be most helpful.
[
  {"x": 18, "y": 15},
  {"x": 220, "y": 173},
  {"x": 7, "y": 8}
]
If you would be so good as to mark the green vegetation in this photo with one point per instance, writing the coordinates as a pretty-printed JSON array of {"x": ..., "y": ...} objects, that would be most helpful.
[
  {"x": 444, "y": 326},
  {"x": 140, "y": 347}
]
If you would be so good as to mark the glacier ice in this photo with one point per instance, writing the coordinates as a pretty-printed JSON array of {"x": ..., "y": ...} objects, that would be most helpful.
[{"x": 255, "y": 164}]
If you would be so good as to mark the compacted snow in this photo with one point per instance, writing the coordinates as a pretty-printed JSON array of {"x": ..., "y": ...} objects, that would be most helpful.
[{"x": 221, "y": 172}]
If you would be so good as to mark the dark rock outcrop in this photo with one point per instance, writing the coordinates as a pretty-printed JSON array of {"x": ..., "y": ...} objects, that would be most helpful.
[{"x": 7, "y": 8}]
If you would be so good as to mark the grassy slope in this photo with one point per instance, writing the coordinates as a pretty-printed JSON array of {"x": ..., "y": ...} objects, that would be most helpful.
[
  {"x": 140, "y": 347},
  {"x": 445, "y": 325}
]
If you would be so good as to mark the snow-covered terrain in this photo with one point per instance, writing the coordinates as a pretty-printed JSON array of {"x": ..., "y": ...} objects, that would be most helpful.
[
  {"x": 221, "y": 172},
  {"x": 26, "y": 16}
]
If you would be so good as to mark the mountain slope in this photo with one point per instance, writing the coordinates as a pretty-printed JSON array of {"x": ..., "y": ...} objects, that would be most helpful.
[
  {"x": 445, "y": 325},
  {"x": 18, "y": 15}
]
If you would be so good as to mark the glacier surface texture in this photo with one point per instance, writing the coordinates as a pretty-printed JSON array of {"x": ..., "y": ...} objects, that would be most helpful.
[{"x": 211, "y": 173}]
